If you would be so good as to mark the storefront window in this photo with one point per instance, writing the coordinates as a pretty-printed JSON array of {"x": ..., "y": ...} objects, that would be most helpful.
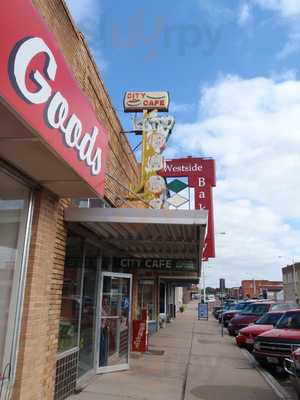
[
  {"x": 146, "y": 298},
  {"x": 71, "y": 296},
  {"x": 88, "y": 311},
  {"x": 14, "y": 200}
]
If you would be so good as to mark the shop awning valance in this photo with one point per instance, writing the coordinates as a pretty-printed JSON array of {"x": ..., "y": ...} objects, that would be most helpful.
[{"x": 146, "y": 233}]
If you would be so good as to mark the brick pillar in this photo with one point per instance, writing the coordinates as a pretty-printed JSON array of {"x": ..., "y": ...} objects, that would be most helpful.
[{"x": 41, "y": 312}]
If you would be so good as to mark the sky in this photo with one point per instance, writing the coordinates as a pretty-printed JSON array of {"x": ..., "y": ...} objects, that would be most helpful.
[{"x": 232, "y": 70}]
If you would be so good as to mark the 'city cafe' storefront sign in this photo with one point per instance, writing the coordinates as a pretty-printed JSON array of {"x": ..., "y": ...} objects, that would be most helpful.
[
  {"x": 38, "y": 85},
  {"x": 146, "y": 101},
  {"x": 156, "y": 264}
]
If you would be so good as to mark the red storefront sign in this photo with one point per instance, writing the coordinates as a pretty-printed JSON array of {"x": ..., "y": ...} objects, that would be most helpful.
[
  {"x": 201, "y": 175},
  {"x": 38, "y": 85},
  {"x": 204, "y": 200},
  {"x": 139, "y": 336}
]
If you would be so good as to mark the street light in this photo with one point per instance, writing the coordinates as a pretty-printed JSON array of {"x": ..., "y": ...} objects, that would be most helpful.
[{"x": 294, "y": 276}]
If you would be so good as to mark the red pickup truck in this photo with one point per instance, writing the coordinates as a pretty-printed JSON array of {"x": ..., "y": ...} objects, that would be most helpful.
[
  {"x": 267, "y": 322},
  {"x": 272, "y": 347}
]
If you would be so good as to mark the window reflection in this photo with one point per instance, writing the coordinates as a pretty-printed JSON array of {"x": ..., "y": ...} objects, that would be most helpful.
[
  {"x": 13, "y": 213},
  {"x": 71, "y": 300}
]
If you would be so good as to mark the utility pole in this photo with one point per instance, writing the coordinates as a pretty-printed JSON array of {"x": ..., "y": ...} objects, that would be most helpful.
[
  {"x": 204, "y": 288},
  {"x": 295, "y": 281}
]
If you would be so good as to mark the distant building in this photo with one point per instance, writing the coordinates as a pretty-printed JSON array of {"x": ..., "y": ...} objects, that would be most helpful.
[
  {"x": 235, "y": 293},
  {"x": 222, "y": 285},
  {"x": 291, "y": 286},
  {"x": 260, "y": 288}
]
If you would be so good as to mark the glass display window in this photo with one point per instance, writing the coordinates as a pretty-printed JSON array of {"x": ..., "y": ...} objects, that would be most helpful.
[
  {"x": 71, "y": 295},
  {"x": 14, "y": 225}
]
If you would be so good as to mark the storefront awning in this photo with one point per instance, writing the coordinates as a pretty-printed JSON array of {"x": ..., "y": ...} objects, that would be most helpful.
[
  {"x": 181, "y": 281},
  {"x": 146, "y": 233}
]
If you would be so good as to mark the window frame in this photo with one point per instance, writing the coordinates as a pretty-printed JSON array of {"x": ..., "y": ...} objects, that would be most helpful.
[{"x": 13, "y": 330}]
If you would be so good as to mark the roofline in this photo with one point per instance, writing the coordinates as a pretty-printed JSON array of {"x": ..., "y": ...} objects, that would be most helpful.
[{"x": 137, "y": 215}]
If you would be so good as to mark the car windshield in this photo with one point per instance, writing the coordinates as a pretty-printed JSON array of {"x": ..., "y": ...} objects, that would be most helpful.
[
  {"x": 290, "y": 320},
  {"x": 269, "y": 319},
  {"x": 231, "y": 307},
  {"x": 284, "y": 306},
  {"x": 226, "y": 307},
  {"x": 240, "y": 306},
  {"x": 256, "y": 309}
]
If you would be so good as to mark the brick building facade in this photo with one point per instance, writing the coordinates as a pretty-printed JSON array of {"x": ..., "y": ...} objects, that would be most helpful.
[
  {"x": 37, "y": 349},
  {"x": 291, "y": 282},
  {"x": 255, "y": 288},
  {"x": 38, "y": 184}
]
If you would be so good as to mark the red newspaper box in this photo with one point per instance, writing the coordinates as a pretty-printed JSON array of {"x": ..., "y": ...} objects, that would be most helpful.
[
  {"x": 140, "y": 333},
  {"x": 139, "y": 336}
]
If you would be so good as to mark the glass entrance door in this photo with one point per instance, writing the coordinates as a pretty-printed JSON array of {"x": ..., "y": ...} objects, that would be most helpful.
[{"x": 115, "y": 317}]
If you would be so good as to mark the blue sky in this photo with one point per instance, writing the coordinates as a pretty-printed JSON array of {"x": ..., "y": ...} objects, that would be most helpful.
[{"x": 231, "y": 67}]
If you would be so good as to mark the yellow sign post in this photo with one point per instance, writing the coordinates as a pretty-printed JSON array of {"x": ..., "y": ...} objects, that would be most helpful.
[{"x": 155, "y": 133}]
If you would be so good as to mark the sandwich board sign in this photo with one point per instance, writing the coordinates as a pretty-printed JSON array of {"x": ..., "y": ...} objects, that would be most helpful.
[{"x": 203, "y": 311}]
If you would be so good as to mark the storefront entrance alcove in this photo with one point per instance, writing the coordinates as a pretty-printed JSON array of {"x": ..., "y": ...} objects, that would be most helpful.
[{"x": 139, "y": 243}]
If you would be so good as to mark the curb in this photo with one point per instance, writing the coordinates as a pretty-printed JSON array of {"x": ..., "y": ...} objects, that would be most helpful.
[{"x": 271, "y": 381}]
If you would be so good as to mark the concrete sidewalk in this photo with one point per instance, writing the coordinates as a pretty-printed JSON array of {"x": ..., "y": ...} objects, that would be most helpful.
[{"x": 197, "y": 364}]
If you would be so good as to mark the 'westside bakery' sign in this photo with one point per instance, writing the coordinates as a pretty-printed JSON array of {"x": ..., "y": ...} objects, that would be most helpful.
[
  {"x": 156, "y": 264},
  {"x": 39, "y": 86},
  {"x": 201, "y": 174},
  {"x": 140, "y": 101}
]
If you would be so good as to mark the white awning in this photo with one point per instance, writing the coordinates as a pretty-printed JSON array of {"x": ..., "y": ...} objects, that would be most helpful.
[{"x": 146, "y": 233}]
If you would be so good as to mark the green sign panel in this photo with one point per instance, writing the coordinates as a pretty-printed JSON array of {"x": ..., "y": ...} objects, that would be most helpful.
[
  {"x": 156, "y": 264},
  {"x": 177, "y": 186}
]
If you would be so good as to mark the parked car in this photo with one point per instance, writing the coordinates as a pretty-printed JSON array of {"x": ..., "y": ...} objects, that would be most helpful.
[
  {"x": 229, "y": 308},
  {"x": 284, "y": 306},
  {"x": 232, "y": 312},
  {"x": 272, "y": 347},
  {"x": 292, "y": 367},
  {"x": 247, "y": 335},
  {"x": 250, "y": 314},
  {"x": 226, "y": 306}
]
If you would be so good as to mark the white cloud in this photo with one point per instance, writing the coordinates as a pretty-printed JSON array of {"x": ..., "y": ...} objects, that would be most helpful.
[
  {"x": 292, "y": 45},
  {"x": 244, "y": 14},
  {"x": 216, "y": 11},
  {"x": 285, "y": 75},
  {"x": 288, "y": 11},
  {"x": 87, "y": 15},
  {"x": 252, "y": 129},
  {"x": 287, "y": 8}
]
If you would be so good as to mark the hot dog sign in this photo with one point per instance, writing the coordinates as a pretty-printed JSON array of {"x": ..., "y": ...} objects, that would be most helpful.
[{"x": 146, "y": 101}]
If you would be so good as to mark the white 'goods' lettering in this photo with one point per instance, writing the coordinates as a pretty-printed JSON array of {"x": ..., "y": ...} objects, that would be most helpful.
[{"x": 57, "y": 110}]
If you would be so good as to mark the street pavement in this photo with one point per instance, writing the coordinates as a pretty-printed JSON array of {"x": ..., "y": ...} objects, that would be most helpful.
[{"x": 197, "y": 363}]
